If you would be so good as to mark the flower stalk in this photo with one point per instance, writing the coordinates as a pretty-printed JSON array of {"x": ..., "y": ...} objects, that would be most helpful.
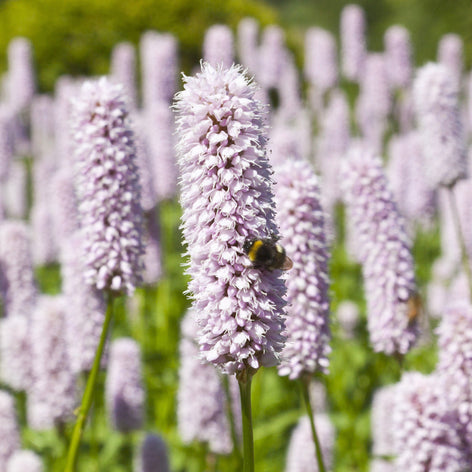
[
  {"x": 231, "y": 420},
  {"x": 304, "y": 383},
  {"x": 244, "y": 380},
  {"x": 89, "y": 391}
]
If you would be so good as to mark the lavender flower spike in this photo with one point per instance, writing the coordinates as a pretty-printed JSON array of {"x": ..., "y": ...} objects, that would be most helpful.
[
  {"x": 201, "y": 406},
  {"x": 455, "y": 361},
  {"x": 426, "y": 432},
  {"x": 398, "y": 56},
  {"x": 384, "y": 251},
  {"x": 301, "y": 222},
  {"x": 108, "y": 187},
  {"x": 123, "y": 70},
  {"x": 301, "y": 453},
  {"x": 6, "y": 143},
  {"x": 247, "y": 43},
  {"x": 51, "y": 391},
  {"x": 17, "y": 285},
  {"x": 271, "y": 57},
  {"x": 381, "y": 421},
  {"x": 86, "y": 307},
  {"x": 124, "y": 388},
  {"x": 218, "y": 46},
  {"x": 21, "y": 81},
  {"x": 348, "y": 318},
  {"x": 25, "y": 461},
  {"x": 153, "y": 455},
  {"x": 15, "y": 351},
  {"x": 64, "y": 212},
  {"x": 158, "y": 53},
  {"x": 353, "y": 26},
  {"x": 9, "y": 434},
  {"x": 450, "y": 54},
  {"x": 227, "y": 199},
  {"x": 321, "y": 62},
  {"x": 439, "y": 124}
]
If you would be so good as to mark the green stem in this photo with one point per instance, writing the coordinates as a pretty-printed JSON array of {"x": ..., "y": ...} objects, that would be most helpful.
[
  {"x": 306, "y": 396},
  {"x": 460, "y": 236},
  {"x": 88, "y": 393},
  {"x": 244, "y": 380},
  {"x": 232, "y": 423}
]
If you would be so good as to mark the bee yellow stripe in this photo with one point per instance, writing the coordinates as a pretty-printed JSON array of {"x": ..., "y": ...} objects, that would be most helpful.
[{"x": 252, "y": 254}]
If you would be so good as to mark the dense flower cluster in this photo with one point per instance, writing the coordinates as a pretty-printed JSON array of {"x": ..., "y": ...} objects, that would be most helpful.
[
  {"x": 52, "y": 390},
  {"x": 353, "y": 41},
  {"x": 321, "y": 62},
  {"x": 123, "y": 70},
  {"x": 284, "y": 142},
  {"x": 218, "y": 46},
  {"x": 64, "y": 211},
  {"x": 21, "y": 80},
  {"x": 15, "y": 351},
  {"x": 247, "y": 43},
  {"x": 271, "y": 57},
  {"x": 25, "y": 461},
  {"x": 44, "y": 243},
  {"x": 301, "y": 451},
  {"x": 227, "y": 199},
  {"x": 439, "y": 124},
  {"x": 158, "y": 53},
  {"x": 455, "y": 359},
  {"x": 108, "y": 187},
  {"x": 381, "y": 465},
  {"x": 42, "y": 126},
  {"x": 398, "y": 56},
  {"x": 9, "y": 434},
  {"x": 426, "y": 431},
  {"x": 347, "y": 316},
  {"x": 6, "y": 143},
  {"x": 450, "y": 54},
  {"x": 412, "y": 191},
  {"x": 381, "y": 421},
  {"x": 374, "y": 101},
  {"x": 124, "y": 389},
  {"x": 143, "y": 158},
  {"x": 301, "y": 222},
  {"x": 153, "y": 269},
  {"x": 201, "y": 407},
  {"x": 17, "y": 284},
  {"x": 160, "y": 140},
  {"x": 86, "y": 307},
  {"x": 153, "y": 455},
  {"x": 384, "y": 251},
  {"x": 331, "y": 145}
]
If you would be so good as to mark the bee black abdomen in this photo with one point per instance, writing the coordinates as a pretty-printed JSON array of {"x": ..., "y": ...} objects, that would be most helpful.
[
  {"x": 264, "y": 256},
  {"x": 268, "y": 254}
]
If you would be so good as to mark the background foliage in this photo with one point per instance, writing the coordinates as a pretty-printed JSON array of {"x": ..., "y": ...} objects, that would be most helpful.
[
  {"x": 76, "y": 37},
  {"x": 426, "y": 20}
]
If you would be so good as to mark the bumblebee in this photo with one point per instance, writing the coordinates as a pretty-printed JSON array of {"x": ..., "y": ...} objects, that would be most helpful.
[
  {"x": 267, "y": 253},
  {"x": 414, "y": 306}
]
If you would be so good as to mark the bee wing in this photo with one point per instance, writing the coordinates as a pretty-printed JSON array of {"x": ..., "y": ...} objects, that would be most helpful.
[
  {"x": 414, "y": 307},
  {"x": 287, "y": 264}
]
